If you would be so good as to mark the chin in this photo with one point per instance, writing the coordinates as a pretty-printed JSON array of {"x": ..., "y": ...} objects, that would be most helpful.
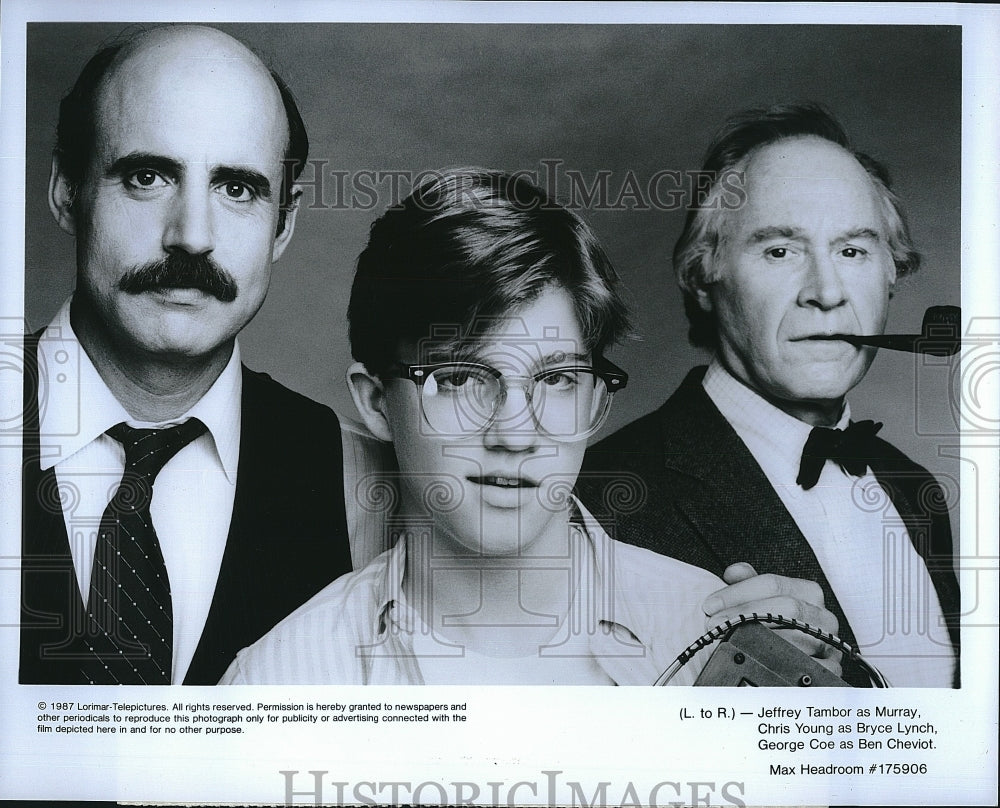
[
  {"x": 491, "y": 546},
  {"x": 497, "y": 547},
  {"x": 180, "y": 350},
  {"x": 185, "y": 340},
  {"x": 827, "y": 380},
  {"x": 504, "y": 539}
]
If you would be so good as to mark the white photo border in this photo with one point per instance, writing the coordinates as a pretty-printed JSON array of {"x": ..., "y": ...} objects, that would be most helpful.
[{"x": 524, "y": 745}]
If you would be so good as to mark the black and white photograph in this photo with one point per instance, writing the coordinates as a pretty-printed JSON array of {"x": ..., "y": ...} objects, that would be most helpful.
[{"x": 370, "y": 370}]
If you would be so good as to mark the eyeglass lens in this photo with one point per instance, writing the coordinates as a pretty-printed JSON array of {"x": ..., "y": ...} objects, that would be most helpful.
[{"x": 562, "y": 403}]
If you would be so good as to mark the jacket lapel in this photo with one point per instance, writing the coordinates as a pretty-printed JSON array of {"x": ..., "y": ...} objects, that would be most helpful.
[{"x": 726, "y": 495}]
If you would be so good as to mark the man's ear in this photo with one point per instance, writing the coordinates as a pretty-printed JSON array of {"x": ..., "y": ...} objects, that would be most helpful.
[
  {"x": 693, "y": 283},
  {"x": 284, "y": 235},
  {"x": 368, "y": 393},
  {"x": 702, "y": 282},
  {"x": 61, "y": 198},
  {"x": 700, "y": 293}
]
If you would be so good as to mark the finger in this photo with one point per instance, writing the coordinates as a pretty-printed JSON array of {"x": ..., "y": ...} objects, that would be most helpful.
[
  {"x": 809, "y": 645},
  {"x": 737, "y": 572},
  {"x": 762, "y": 587}
]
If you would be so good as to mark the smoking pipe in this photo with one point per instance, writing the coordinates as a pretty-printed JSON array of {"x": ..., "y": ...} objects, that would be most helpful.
[{"x": 938, "y": 334}]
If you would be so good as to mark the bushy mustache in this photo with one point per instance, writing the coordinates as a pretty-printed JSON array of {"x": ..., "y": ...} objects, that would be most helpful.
[{"x": 181, "y": 271}]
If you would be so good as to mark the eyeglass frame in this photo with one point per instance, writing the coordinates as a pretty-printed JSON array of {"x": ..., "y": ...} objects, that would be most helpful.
[{"x": 614, "y": 378}]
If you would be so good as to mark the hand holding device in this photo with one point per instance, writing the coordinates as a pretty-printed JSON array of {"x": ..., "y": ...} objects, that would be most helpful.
[
  {"x": 793, "y": 652},
  {"x": 793, "y": 598}
]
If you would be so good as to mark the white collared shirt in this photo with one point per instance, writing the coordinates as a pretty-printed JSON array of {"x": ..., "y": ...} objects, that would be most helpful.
[
  {"x": 865, "y": 552},
  {"x": 193, "y": 494}
]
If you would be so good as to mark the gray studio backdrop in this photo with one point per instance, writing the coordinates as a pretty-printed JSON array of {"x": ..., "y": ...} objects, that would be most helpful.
[{"x": 567, "y": 102}]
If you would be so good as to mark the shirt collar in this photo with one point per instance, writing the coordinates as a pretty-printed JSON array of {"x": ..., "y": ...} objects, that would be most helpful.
[
  {"x": 389, "y": 586},
  {"x": 621, "y": 641},
  {"x": 774, "y": 437},
  {"x": 220, "y": 410},
  {"x": 76, "y": 407}
]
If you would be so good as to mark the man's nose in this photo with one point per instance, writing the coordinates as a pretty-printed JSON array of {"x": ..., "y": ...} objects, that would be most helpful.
[
  {"x": 513, "y": 427},
  {"x": 190, "y": 226},
  {"x": 822, "y": 287}
]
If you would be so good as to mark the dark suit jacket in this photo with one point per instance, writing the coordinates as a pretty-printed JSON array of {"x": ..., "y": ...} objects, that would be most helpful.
[
  {"x": 287, "y": 539},
  {"x": 680, "y": 482}
]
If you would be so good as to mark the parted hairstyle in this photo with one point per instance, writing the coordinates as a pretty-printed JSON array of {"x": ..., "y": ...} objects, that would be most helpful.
[
  {"x": 729, "y": 154},
  {"x": 470, "y": 245},
  {"x": 76, "y": 131}
]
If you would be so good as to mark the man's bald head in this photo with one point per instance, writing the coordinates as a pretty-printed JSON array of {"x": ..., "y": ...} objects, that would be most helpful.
[{"x": 78, "y": 122}]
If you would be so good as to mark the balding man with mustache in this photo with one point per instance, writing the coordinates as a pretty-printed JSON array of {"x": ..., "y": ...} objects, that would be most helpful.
[{"x": 176, "y": 504}]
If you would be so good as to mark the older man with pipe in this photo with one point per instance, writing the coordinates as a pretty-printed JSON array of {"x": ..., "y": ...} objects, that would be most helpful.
[{"x": 754, "y": 469}]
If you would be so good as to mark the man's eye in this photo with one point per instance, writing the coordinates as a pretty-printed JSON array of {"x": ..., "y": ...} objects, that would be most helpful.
[
  {"x": 852, "y": 252},
  {"x": 776, "y": 252},
  {"x": 561, "y": 379},
  {"x": 145, "y": 178},
  {"x": 237, "y": 191},
  {"x": 456, "y": 378}
]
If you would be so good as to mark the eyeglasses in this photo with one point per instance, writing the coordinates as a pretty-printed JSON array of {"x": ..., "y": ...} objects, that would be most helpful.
[{"x": 565, "y": 403}]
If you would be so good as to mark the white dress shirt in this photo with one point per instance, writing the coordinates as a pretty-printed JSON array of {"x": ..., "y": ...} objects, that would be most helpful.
[
  {"x": 857, "y": 535},
  {"x": 193, "y": 494}
]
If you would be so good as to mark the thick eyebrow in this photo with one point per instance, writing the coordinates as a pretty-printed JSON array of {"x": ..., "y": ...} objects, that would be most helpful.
[
  {"x": 768, "y": 233},
  {"x": 860, "y": 232},
  {"x": 138, "y": 160}
]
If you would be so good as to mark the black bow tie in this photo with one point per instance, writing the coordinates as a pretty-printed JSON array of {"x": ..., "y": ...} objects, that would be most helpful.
[{"x": 851, "y": 448}]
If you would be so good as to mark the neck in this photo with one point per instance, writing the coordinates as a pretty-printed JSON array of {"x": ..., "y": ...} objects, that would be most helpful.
[
  {"x": 150, "y": 387},
  {"x": 498, "y": 605}
]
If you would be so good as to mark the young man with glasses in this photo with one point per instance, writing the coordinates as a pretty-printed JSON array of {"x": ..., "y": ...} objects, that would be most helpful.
[{"x": 478, "y": 318}]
